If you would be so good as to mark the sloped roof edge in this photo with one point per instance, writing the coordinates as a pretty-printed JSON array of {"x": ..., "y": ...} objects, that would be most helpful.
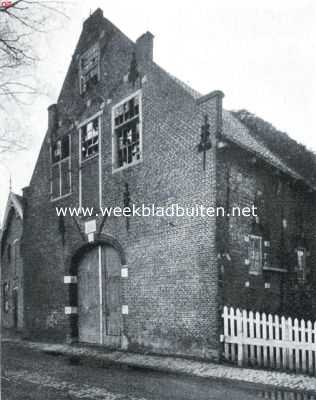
[{"x": 14, "y": 201}]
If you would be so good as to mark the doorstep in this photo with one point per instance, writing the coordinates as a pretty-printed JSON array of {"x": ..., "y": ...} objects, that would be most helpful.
[{"x": 105, "y": 357}]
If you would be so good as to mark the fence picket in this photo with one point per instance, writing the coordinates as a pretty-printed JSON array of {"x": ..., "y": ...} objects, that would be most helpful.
[
  {"x": 270, "y": 337},
  {"x": 296, "y": 351},
  {"x": 226, "y": 332},
  {"x": 252, "y": 335},
  {"x": 240, "y": 337},
  {"x": 303, "y": 340},
  {"x": 277, "y": 337},
  {"x": 232, "y": 332},
  {"x": 258, "y": 336},
  {"x": 285, "y": 354},
  {"x": 290, "y": 338},
  {"x": 264, "y": 337},
  {"x": 309, "y": 340}
]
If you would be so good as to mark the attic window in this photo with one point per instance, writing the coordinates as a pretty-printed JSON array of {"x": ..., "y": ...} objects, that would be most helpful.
[
  {"x": 127, "y": 132},
  {"x": 89, "y": 68},
  {"x": 90, "y": 139},
  {"x": 61, "y": 168}
]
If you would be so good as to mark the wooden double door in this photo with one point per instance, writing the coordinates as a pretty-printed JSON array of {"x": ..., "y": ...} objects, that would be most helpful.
[{"x": 99, "y": 297}]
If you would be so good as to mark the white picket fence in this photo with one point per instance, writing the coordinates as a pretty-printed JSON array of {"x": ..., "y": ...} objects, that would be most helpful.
[{"x": 270, "y": 341}]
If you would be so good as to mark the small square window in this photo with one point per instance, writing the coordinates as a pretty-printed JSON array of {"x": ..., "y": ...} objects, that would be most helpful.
[{"x": 127, "y": 132}]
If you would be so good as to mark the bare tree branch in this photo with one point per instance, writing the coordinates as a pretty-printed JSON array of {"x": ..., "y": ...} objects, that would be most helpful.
[{"x": 21, "y": 23}]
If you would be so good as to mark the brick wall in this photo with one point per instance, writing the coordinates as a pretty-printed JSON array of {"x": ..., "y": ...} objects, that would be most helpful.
[
  {"x": 243, "y": 181},
  {"x": 12, "y": 271}
]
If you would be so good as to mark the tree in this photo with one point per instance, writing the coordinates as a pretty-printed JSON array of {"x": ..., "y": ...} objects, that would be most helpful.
[{"x": 21, "y": 23}]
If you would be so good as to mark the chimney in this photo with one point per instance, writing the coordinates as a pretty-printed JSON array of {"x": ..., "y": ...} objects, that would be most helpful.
[
  {"x": 145, "y": 47},
  {"x": 52, "y": 117}
]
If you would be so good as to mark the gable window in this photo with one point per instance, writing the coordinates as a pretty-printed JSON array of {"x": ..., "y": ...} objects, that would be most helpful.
[
  {"x": 89, "y": 68},
  {"x": 5, "y": 297},
  {"x": 127, "y": 132},
  {"x": 255, "y": 254},
  {"x": 61, "y": 168},
  {"x": 90, "y": 139}
]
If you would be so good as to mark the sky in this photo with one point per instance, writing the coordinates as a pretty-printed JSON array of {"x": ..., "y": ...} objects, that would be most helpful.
[{"x": 261, "y": 54}]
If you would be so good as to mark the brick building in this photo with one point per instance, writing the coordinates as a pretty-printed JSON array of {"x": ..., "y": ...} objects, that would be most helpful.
[
  {"x": 125, "y": 132},
  {"x": 12, "y": 264}
]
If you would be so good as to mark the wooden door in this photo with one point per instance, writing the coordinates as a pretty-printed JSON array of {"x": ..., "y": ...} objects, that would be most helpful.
[
  {"x": 89, "y": 315},
  {"x": 99, "y": 297},
  {"x": 112, "y": 296}
]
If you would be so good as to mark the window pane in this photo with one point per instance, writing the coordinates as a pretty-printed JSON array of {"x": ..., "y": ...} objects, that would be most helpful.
[
  {"x": 55, "y": 181},
  {"x": 90, "y": 139},
  {"x": 65, "y": 177}
]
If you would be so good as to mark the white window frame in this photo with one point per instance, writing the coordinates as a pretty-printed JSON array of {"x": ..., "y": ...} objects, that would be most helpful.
[
  {"x": 97, "y": 47},
  {"x": 80, "y": 126},
  {"x": 98, "y": 154},
  {"x": 114, "y": 142},
  {"x": 252, "y": 271},
  {"x": 60, "y": 179}
]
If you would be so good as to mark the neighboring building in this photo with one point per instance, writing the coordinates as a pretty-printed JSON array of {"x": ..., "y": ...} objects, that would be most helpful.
[
  {"x": 12, "y": 265},
  {"x": 126, "y": 132}
]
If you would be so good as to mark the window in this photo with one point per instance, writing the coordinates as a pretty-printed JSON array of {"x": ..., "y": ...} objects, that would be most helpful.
[
  {"x": 255, "y": 255},
  {"x": 15, "y": 254},
  {"x": 301, "y": 266},
  {"x": 127, "y": 130},
  {"x": 5, "y": 297},
  {"x": 9, "y": 251},
  {"x": 90, "y": 139},
  {"x": 61, "y": 168},
  {"x": 89, "y": 68}
]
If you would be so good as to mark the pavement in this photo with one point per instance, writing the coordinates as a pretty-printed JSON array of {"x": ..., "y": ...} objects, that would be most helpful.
[{"x": 100, "y": 357}]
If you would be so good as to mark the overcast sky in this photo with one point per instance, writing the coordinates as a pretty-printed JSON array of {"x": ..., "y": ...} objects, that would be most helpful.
[{"x": 261, "y": 54}]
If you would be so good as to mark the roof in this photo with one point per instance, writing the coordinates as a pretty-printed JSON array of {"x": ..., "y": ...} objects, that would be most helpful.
[
  {"x": 14, "y": 201},
  {"x": 237, "y": 132}
]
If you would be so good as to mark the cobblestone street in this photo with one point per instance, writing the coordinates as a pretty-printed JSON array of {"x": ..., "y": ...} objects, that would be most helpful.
[{"x": 29, "y": 374}]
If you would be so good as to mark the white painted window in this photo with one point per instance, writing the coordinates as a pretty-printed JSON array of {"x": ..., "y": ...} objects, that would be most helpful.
[
  {"x": 89, "y": 68},
  {"x": 301, "y": 258},
  {"x": 61, "y": 168},
  {"x": 89, "y": 134},
  {"x": 255, "y": 255},
  {"x": 127, "y": 132}
]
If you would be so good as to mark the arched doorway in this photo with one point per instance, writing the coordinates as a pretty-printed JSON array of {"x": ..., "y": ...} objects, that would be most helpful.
[{"x": 99, "y": 296}]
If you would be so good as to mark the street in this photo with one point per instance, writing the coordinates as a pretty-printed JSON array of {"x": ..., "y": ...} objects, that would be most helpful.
[{"x": 34, "y": 375}]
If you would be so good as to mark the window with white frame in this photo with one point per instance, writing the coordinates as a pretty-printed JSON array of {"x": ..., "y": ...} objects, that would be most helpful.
[
  {"x": 61, "y": 167},
  {"x": 301, "y": 265},
  {"x": 127, "y": 132},
  {"x": 90, "y": 139},
  {"x": 255, "y": 255},
  {"x": 89, "y": 68}
]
